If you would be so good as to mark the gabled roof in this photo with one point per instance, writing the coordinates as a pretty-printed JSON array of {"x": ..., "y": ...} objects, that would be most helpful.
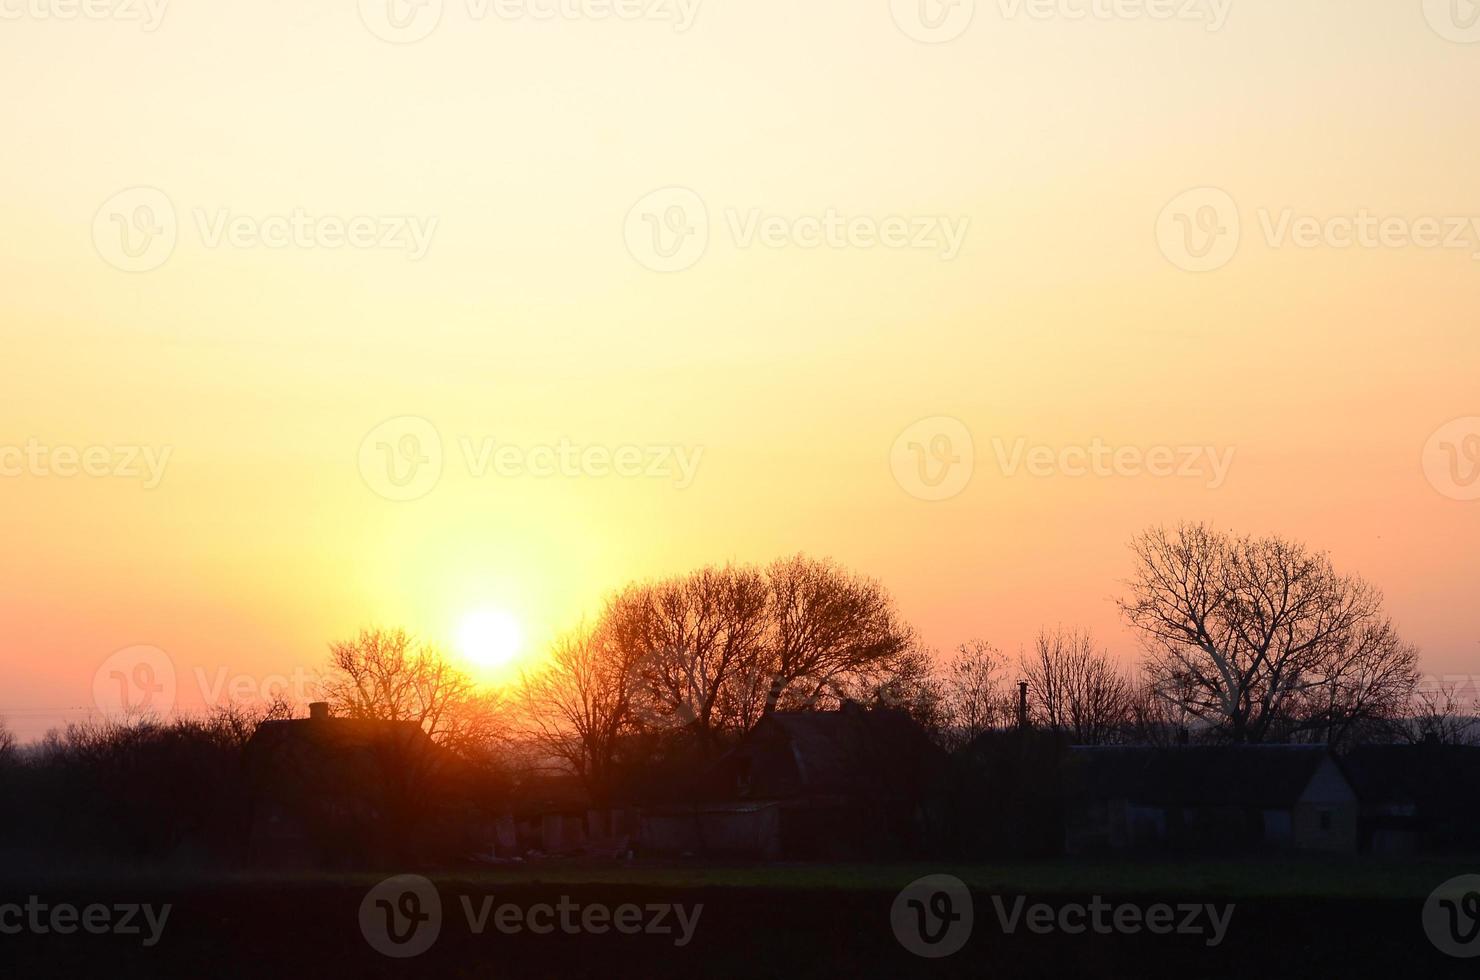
[
  {"x": 1264, "y": 776},
  {"x": 851, "y": 752},
  {"x": 344, "y": 754}
]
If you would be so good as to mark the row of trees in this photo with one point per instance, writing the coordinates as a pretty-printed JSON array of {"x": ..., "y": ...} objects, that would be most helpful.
[{"x": 1246, "y": 640}]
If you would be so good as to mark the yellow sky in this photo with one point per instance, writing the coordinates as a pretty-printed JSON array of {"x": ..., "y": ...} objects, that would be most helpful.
[{"x": 525, "y": 149}]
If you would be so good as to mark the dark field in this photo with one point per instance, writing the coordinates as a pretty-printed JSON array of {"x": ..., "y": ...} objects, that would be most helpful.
[{"x": 1306, "y": 919}]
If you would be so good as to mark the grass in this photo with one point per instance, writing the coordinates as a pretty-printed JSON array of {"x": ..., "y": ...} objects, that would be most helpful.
[{"x": 1283, "y": 876}]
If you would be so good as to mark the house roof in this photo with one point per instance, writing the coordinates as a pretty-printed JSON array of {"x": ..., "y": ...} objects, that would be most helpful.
[
  {"x": 1265, "y": 776},
  {"x": 345, "y": 753},
  {"x": 337, "y": 733},
  {"x": 848, "y": 752},
  {"x": 1416, "y": 774}
]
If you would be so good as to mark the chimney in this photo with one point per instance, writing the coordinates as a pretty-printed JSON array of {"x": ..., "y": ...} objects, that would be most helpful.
[
  {"x": 318, "y": 711},
  {"x": 1023, "y": 705}
]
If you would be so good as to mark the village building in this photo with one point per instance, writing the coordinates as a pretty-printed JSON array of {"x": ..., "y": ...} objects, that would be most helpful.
[
  {"x": 1208, "y": 799},
  {"x": 810, "y": 785}
]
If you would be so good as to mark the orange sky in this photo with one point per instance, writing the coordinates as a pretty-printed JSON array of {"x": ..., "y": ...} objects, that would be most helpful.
[{"x": 864, "y": 231}]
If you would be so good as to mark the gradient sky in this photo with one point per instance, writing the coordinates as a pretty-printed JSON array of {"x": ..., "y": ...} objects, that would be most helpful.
[{"x": 1061, "y": 321}]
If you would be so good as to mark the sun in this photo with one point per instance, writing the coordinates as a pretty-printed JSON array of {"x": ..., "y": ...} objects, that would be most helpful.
[{"x": 490, "y": 638}]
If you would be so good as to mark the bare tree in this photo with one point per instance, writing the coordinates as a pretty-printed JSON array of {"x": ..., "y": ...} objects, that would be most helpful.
[
  {"x": 827, "y": 627},
  {"x": 1158, "y": 714},
  {"x": 1441, "y": 712},
  {"x": 974, "y": 697},
  {"x": 1077, "y": 689},
  {"x": 8, "y": 750},
  {"x": 693, "y": 638},
  {"x": 1373, "y": 689},
  {"x": 385, "y": 675},
  {"x": 1250, "y": 628},
  {"x": 908, "y": 682},
  {"x": 579, "y": 706}
]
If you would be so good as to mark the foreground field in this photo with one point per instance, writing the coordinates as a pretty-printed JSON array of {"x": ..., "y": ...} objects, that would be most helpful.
[{"x": 1309, "y": 918}]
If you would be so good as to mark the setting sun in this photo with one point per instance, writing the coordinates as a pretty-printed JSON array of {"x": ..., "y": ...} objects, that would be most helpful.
[{"x": 490, "y": 638}]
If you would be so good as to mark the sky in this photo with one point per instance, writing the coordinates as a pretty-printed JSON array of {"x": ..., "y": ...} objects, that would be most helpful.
[{"x": 321, "y": 315}]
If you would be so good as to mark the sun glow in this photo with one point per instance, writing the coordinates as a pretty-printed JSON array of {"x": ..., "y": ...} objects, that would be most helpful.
[{"x": 490, "y": 638}]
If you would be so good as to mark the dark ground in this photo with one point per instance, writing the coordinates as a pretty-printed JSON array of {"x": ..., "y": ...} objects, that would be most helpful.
[{"x": 1308, "y": 919}]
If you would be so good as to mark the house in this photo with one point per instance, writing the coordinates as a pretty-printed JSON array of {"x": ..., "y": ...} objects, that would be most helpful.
[
  {"x": 554, "y": 813},
  {"x": 1005, "y": 797},
  {"x": 806, "y": 785},
  {"x": 339, "y": 792},
  {"x": 1208, "y": 798},
  {"x": 1422, "y": 797}
]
